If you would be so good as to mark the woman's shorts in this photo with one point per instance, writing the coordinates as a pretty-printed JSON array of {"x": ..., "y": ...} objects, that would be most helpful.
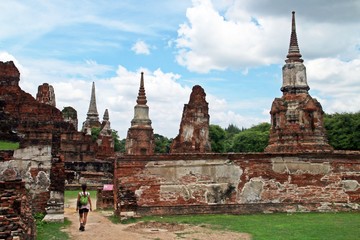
[{"x": 83, "y": 210}]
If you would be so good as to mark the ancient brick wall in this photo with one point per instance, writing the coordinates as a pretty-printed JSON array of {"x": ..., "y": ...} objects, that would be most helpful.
[
  {"x": 104, "y": 199},
  {"x": 96, "y": 172},
  {"x": 238, "y": 183},
  {"x": 16, "y": 220},
  {"x": 33, "y": 165}
]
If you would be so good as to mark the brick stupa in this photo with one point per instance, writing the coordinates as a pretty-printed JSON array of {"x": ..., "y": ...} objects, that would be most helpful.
[
  {"x": 105, "y": 140},
  {"x": 140, "y": 136},
  {"x": 296, "y": 118},
  {"x": 194, "y": 127},
  {"x": 46, "y": 94},
  {"x": 92, "y": 118}
]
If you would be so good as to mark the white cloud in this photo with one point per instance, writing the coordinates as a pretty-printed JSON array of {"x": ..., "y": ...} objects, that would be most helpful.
[
  {"x": 241, "y": 34},
  {"x": 166, "y": 97},
  {"x": 336, "y": 82},
  {"x": 140, "y": 47},
  {"x": 209, "y": 41}
]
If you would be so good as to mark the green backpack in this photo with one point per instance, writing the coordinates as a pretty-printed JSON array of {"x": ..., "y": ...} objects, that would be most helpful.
[{"x": 84, "y": 198}]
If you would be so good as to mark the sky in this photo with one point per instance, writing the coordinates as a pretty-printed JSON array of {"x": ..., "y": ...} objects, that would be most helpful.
[{"x": 234, "y": 49}]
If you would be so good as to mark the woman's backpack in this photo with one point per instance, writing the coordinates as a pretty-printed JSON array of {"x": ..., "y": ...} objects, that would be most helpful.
[{"x": 84, "y": 198}]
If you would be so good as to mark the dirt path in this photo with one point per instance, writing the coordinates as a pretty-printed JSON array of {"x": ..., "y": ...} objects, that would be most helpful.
[{"x": 100, "y": 227}]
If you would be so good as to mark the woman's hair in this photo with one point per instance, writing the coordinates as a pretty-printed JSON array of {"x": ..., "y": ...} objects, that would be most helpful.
[{"x": 83, "y": 187}]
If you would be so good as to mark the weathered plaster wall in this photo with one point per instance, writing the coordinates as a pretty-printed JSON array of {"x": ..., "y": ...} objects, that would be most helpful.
[
  {"x": 238, "y": 183},
  {"x": 33, "y": 165}
]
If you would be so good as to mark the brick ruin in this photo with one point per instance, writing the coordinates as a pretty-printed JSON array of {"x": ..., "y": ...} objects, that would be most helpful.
[
  {"x": 92, "y": 119},
  {"x": 296, "y": 118},
  {"x": 238, "y": 183},
  {"x": 46, "y": 94},
  {"x": 299, "y": 171},
  {"x": 38, "y": 127},
  {"x": 140, "y": 136},
  {"x": 194, "y": 127},
  {"x": 16, "y": 220},
  {"x": 70, "y": 115},
  {"x": 50, "y": 147}
]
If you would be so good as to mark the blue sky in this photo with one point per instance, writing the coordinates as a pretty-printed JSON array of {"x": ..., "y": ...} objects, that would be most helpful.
[{"x": 234, "y": 49}]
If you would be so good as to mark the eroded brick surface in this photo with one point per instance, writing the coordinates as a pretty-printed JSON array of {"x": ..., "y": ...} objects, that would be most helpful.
[
  {"x": 16, "y": 220},
  {"x": 262, "y": 182},
  {"x": 193, "y": 134}
]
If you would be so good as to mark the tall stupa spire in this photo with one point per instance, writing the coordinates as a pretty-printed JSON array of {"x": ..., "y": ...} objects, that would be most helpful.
[
  {"x": 294, "y": 71},
  {"x": 141, "y": 99},
  {"x": 92, "y": 118},
  {"x": 140, "y": 137},
  {"x": 294, "y": 51},
  {"x": 92, "y": 107}
]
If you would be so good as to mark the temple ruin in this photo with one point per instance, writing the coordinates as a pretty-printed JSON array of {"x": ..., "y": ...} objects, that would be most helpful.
[
  {"x": 46, "y": 94},
  {"x": 296, "y": 118},
  {"x": 194, "y": 127},
  {"x": 299, "y": 172},
  {"x": 92, "y": 119},
  {"x": 140, "y": 136}
]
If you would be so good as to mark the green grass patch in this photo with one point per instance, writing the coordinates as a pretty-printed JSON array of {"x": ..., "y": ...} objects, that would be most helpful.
[
  {"x": 5, "y": 145},
  {"x": 53, "y": 231},
  {"x": 282, "y": 226}
]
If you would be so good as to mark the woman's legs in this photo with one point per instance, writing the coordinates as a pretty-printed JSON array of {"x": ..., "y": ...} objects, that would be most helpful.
[
  {"x": 83, "y": 213},
  {"x": 85, "y": 218},
  {"x": 81, "y": 219}
]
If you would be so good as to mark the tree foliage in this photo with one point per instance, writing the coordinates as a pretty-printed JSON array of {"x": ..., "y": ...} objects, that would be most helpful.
[
  {"x": 234, "y": 139},
  {"x": 343, "y": 130},
  {"x": 217, "y": 138},
  {"x": 117, "y": 144},
  {"x": 162, "y": 144}
]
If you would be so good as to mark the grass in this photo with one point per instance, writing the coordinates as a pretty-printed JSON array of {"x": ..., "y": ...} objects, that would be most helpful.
[
  {"x": 5, "y": 145},
  {"x": 335, "y": 226},
  {"x": 51, "y": 231}
]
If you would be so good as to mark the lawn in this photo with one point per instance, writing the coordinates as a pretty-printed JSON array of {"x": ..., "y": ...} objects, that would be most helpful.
[
  {"x": 53, "y": 231},
  {"x": 280, "y": 226},
  {"x": 4, "y": 145}
]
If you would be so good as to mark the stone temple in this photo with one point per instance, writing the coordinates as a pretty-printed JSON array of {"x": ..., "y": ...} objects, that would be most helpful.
[
  {"x": 140, "y": 136},
  {"x": 92, "y": 119},
  {"x": 296, "y": 118},
  {"x": 194, "y": 127}
]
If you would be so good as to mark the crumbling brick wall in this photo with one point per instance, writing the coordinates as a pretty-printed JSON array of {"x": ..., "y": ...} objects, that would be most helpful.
[
  {"x": 16, "y": 220},
  {"x": 32, "y": 165},
  {"x": 238, "y": 183}
]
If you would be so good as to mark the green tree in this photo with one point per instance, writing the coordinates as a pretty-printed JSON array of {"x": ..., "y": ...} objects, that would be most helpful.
[
  {"x": 254, "y": 139},
  {"x": 122, "y": 145},
  {"x": 232, "y": 129},
  {"x": 117, "y": 144},
  {"x": 162, "y": 144},
  {"x": 217, "y": 138},
  {"x": 343, "y": 130},
  {"x": 95, "y": 133}
]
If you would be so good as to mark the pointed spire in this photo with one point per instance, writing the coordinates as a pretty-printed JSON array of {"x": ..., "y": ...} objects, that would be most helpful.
[
  {"x": 141, "y": 99},
  {"x": 106, "y": 115},
  {"x": 294, "y": 51},
  {"x": 92, "y": 107}
]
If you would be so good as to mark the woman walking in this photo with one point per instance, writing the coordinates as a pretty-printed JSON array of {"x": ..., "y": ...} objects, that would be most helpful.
[{"x": 84, "y": 206}]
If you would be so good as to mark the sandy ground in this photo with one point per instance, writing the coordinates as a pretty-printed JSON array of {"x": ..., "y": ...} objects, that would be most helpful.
[{"x": 100, "y": 227}]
